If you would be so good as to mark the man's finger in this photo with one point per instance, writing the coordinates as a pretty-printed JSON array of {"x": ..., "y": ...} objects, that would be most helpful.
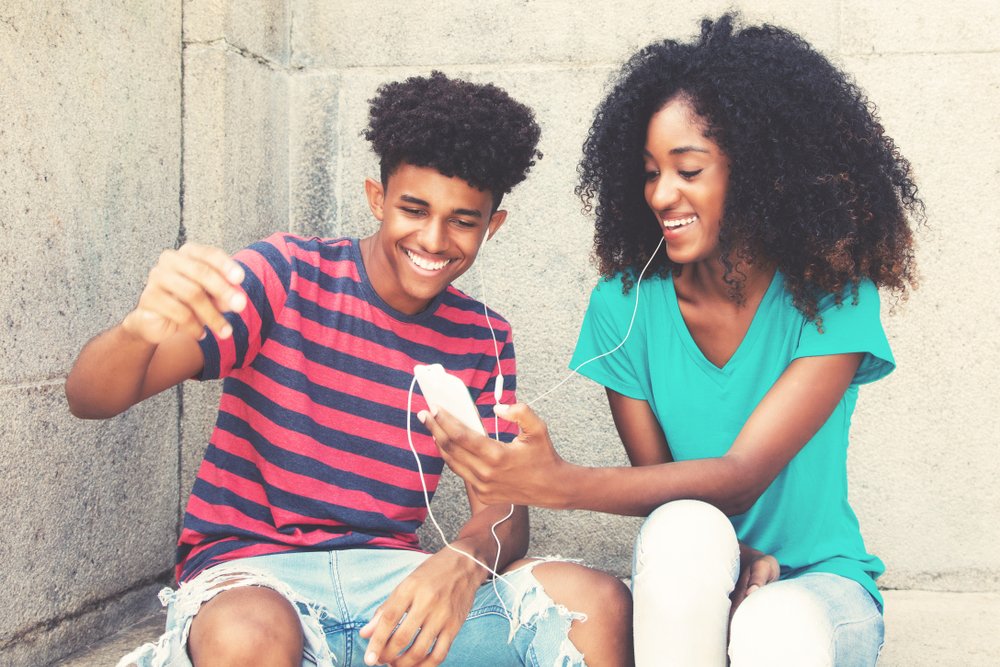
[
  {"x": 379, "y": 628},
  {"x": 217, "y": 259},
  {"x": 403, "y": 635},
  {"x": 212, "y": 280}
]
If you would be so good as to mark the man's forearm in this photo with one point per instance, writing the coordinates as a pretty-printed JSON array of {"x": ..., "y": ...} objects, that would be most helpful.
[{"x": 476, "y": 537}]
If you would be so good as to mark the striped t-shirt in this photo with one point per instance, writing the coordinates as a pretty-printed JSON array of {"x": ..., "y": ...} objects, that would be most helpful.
[{"x": 309, "y": 450}]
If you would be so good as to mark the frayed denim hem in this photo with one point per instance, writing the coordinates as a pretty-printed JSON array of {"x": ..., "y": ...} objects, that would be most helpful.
[
  {"x": 171, "y": 648},
  {"x": 551, "y": 621}
]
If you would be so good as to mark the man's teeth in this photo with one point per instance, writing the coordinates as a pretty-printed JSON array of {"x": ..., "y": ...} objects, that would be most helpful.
[
  {"x": 425, "y": 264},
  {"x": 679, "y": 222}
]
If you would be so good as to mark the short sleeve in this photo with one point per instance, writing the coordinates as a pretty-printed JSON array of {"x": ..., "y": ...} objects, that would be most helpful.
[
  {"x": 267, "y": 268},
  {"x": 600, "y": 353},
  {"x": 505, "y": 431},
  {"x": 854, "y": 325}
]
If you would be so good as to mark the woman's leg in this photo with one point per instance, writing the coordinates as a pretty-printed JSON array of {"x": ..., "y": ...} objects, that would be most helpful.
[
  {"x": 687, "y": 560},
  {"x": 812, "y": 620}
]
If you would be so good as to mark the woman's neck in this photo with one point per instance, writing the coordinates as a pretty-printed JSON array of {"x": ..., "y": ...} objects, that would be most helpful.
[{"x": 706, "y": 282}]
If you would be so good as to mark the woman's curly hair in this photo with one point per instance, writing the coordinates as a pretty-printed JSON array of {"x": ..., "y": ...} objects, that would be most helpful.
[
  {"x": 474, "y": 131},
  {"x": 815, "y": 189}
]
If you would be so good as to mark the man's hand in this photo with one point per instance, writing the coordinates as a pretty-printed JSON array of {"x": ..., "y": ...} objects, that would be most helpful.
[
  {"x": 187, "y": 290},
  {"x": 524, "y": 472},
  {"x": 417, "y": 624},
  {"x": 756, "y": 569}
]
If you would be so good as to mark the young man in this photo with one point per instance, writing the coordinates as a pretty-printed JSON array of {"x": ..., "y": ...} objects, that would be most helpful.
[{"x": 298, "y": 544}]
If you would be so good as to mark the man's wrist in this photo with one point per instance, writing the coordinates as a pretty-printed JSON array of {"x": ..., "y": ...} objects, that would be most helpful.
[{"x": 463, "y": 563}]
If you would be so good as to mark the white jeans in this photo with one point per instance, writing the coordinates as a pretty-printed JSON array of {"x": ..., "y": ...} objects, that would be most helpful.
[{"x": 686, "y": 565}]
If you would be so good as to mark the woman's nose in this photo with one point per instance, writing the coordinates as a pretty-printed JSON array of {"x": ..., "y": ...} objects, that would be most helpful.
[{"x": 662, "y": 194}]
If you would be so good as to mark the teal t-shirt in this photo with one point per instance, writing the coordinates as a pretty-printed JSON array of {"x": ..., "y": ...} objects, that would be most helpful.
[{"x": 803, "y": 518}]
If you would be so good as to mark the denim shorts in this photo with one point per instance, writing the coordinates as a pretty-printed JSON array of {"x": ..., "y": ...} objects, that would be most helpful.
[{"x": 512, "y": 620}]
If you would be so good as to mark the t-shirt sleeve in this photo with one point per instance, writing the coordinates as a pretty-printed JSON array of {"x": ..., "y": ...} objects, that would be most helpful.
[
  {"x": 600, "y": 354},
  {"x": 502, "y": 429},
  {"x": 267, "y": 267},
  {"x": 851, "y": 327}
]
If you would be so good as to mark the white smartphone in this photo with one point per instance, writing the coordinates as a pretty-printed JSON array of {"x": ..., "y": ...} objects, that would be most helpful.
[{"x": 446, "y": 392}]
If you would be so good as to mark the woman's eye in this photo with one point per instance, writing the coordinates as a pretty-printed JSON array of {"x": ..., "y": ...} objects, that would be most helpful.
[
  {"x": 652, "y": 175},
  {"x": 689, "y": 174}
]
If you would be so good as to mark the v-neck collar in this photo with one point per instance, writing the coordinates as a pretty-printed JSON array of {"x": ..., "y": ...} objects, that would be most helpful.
[{"x": 745, "y": 346}]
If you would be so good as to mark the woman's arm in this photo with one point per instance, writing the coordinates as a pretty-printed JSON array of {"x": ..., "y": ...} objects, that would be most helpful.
[
  {"x": 528, "y": 471},
  {"x": 639, "y": 430}
]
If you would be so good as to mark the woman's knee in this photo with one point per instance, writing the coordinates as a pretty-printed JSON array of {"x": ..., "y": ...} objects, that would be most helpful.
[
  {"x": 781, "y": 624},
  {"x": 250, "y": 625},
  {"x": 687, "y": 535}
]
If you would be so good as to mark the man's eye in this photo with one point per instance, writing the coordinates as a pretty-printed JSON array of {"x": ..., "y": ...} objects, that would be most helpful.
[
  {"x": 412, "y": 211},
  {"x": 463, "y": 223},
  {"x": 689, "y": 174}
]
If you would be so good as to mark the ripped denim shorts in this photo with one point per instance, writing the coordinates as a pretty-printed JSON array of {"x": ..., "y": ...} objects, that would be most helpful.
[{"x": 337, "y": 592}]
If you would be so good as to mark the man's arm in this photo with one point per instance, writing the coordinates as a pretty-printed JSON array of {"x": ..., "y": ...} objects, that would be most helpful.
[{"x": 156, "y": 346}]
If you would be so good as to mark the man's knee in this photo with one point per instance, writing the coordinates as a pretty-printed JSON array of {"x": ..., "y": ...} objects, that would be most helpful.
[
  {"x": 602, "y": 631},
  {"x": 602, "y": 597},
  {"x": 250, "y": 625}
]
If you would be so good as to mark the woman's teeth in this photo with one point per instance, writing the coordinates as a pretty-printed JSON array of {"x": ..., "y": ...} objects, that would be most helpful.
[
  {"x": 679, "y": 222},
  {"x": 426, "y": 264}
]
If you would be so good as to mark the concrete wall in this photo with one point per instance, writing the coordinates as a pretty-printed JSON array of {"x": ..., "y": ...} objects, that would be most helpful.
[
  {"x": 926, "y": 439},
  {"x": 128, "y": 127},
  {"x": 90, "y": 127}
]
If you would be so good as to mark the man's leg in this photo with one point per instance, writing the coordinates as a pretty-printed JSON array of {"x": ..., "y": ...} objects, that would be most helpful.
[
  {"x": 605, "y": 638},
  {"x": 246, "y": 626},
  {"x": 545, "y": 613}
]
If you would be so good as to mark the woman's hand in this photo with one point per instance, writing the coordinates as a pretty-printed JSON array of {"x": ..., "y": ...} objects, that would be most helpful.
[
  {"x": 527, "y": 471},
  {"x": 756, "y": 569}
]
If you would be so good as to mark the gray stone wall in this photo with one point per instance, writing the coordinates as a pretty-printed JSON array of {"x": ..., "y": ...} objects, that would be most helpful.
[{"x": 127, "y": 127}]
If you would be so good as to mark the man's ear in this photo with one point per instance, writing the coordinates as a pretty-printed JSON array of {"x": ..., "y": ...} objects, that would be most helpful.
[
  {"x": 496, "y": 222},
  {"x": 376, "y": 197}
]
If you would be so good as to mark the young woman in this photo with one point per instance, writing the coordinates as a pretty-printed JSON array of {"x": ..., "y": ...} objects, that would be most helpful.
[{"x": 783, "y": 209}]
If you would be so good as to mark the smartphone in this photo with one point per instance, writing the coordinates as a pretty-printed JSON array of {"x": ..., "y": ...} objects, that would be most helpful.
[{"x": 446, "y": 392}]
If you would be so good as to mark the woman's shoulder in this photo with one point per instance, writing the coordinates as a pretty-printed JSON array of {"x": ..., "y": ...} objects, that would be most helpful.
[
  {"x": 622, "y": 287},
  {"x": 862, "y": 295}
]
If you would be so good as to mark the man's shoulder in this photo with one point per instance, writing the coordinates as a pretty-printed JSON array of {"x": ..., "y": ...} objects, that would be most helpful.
[
  {"x": 289, "y": 240},
  {"x": 295, "y": 250},
  {"x": 474, "y": 310}
]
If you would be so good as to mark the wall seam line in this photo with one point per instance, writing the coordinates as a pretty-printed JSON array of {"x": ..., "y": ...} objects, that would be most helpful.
[{"x": 181, "y": 239}]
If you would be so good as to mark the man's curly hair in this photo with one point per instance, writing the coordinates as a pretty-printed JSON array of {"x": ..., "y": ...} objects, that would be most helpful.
[
  {"x": 815, "y": 188},
  {"x": 476, "y": 132}
]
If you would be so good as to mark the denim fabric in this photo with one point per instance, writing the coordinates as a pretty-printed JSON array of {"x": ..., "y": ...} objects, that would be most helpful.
[
  {"x": 814, "y": 619},
  {"x": 337, "y": 593},
  {"x": 686, "y": 564}
]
